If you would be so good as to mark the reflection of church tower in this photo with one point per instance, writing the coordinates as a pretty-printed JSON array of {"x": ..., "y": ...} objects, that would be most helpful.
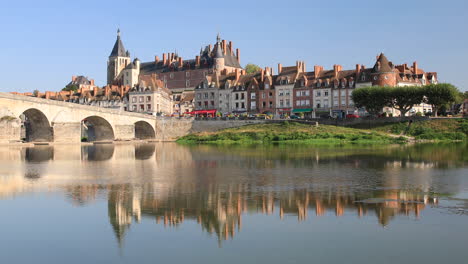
[{"x": 118, "y": 60}]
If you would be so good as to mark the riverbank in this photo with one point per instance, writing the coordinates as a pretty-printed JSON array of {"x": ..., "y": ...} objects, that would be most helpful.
[{"x": 293, "y": 132}]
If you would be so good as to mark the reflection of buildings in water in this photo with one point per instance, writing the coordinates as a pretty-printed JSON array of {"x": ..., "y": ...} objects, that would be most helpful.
[{"x": 219, "y": 212}]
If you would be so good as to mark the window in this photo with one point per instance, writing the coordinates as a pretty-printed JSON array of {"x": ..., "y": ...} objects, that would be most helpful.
[
  {"x": 237, "y": 97},
  {"x": 205, "y": 95},
  {"x": 318, "y": 93},
  {"x": 281, "y": 103},
  {"x": 134, "y": 99},
  {"x": 263, "y": 95},
  {"x": 148, "y": 107},
  {"x": 242, "y": 96},
  {"x": 134, "y": 108},
  {"x": 335, "y": 102},
  {"x": 307, "y": 102},
  {"x": 148, "y": 98},
  {"x": 142, "y": 107},
  {"x": 243, "y": 105},
  {"x": 199, "y": 104},
  {"x": 326, "y": 93},
  {"x": 141, "y": 99},
  {"x": 280, "y": 92},
  {"x": 343, "y": 102},
  {"x": 287, "y": 92},
  {"x": 187, "y": 83},
  {"x": 298, "y": 93},
  {"x": 212, "y": 103},
  {"x": 253, "y": 104},
  {"x": 212, "y": 95},
  {"x": 325, "y": 103},
  {"x": 252, "y": 96},
  {"x": 343, "y": 93},
  {"x": 271, "y": 94},
  {"x": 171, "y": 75},
  {"x": 335, "y": 93},
  {"x": 267, "y": 86},
  {"x": 198, "y": 96},
  {"x": 187, "y": 74},
  {"x": 287, "y": 102},
  {"x": 237, "y": 105},
  {"x": 263, "y": 104}
]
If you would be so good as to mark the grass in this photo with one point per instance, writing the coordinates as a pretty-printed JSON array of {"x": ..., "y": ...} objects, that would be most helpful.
[
  {"x": 292, "y": 132},
  {"x": 434, "y": 130}
]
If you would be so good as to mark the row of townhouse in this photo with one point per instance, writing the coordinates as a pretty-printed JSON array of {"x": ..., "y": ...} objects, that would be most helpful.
[{"x": 294, "y": 90}]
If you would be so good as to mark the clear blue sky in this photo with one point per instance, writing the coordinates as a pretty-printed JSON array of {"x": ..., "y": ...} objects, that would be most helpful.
[{"x": 44, "y": 43}]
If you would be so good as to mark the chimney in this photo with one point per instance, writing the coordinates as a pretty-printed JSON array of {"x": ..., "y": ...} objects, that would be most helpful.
[
  {"x": 280, "y": 68},
  {"x": 224, "y": 46},
  {"x": 243, "y": 72},
  {"x": 107, "y": 91},
  {"x": 73, "y": 78},
  {"x": 317, "y": 71},
  {"x": 180, "y": 62},
  {"x": 156, "y": 59},
  {"x": 238, "y": 55},
  {"x": 197, "y": 61},
  {"x": 303, "y": 66},
  {"x": 92, "y": 82},
  {"x": 164, "y": 59},
  {"x": 230, "y": 47},
  {"x": 209, "y": 48},
  {"x": 238, "y": 74},
  {"x": 415, "y": 67},
  {"x": 47, "y": 95},
  {"x": 337, "y": 69},
  {"x": 172, "y": 56},
  {"x": 358, "y": 70},
  {"x": 95, "y": 90},
  {"x": 267, "y": 71},
  {"x": 262, "y": 75},
  {"x": 298, "y": 66}
]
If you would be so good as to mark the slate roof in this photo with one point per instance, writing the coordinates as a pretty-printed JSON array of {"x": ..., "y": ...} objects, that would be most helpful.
[{"x": 119, "y": 49}]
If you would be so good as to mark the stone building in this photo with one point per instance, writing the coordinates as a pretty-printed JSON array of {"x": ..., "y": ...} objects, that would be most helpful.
[{"x": 151, "y": 97}]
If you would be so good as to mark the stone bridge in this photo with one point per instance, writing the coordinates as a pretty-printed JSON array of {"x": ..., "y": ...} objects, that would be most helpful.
[{"x": 41, "y": 120}]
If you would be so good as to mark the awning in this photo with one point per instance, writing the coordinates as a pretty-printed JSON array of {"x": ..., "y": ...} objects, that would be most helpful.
[
  {"x": 304, "y": 110},
  {"x": 202, "y": 112},
  {"x": 284, "y": 109}
]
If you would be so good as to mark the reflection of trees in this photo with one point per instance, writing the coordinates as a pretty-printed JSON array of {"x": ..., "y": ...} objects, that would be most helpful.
[{"x": 219, "y": 211}]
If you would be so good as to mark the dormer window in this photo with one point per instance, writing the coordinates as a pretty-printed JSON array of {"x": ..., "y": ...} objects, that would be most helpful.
[
  {"x": 363, "y": 77},
  {"x": 267, "y": 86}
]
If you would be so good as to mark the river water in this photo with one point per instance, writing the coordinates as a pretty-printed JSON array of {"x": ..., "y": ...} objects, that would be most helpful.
[{"x": 164, "y": 202}]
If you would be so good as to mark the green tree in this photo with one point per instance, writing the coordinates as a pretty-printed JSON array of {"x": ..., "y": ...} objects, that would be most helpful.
[
  {"x": 71, "y": 87},
  {"x": 372, "y": 98},
  {"x": 439, "y": 95},
  {"x": 36, "y": 93},
  {"x": 252, "y": 68},
  {"x": 404, "y": 98}
]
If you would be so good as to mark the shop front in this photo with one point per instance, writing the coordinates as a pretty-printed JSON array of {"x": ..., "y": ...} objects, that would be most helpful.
[{"x": 306, "y": 112}]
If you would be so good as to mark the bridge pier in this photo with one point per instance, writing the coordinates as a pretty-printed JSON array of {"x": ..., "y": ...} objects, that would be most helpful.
[
  {"x": 67, "y": 132},
  {"x": 124, "y": 132},
  {"x": 10, "y": 129}
]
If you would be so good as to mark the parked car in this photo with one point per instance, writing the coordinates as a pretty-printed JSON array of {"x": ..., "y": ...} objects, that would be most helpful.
[
  {"x": 352, "y": 116},
  {"x": 295, "y": 117}
]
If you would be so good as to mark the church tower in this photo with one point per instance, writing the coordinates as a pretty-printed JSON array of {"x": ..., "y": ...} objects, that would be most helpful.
[
  {"x": 118, "y": 60},
  {"x": 219, "y": 61}
]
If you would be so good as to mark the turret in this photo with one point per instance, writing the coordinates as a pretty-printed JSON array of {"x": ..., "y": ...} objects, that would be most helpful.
[{"x": 219, "y": 61}]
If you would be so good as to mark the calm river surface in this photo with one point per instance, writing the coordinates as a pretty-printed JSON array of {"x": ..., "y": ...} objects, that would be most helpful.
[{"x": 169, "y": 203}]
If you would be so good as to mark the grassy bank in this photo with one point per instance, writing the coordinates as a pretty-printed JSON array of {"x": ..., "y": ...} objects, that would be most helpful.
[
  {"x": 292, "y": 132},
  {"x": 434, "y": 130}
]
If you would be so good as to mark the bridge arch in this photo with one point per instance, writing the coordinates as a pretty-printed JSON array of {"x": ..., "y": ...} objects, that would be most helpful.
[
  {"x": 144, "y": 130},
  {"x": 36, "y": 126},
  {"x": 96, "y": 128}
]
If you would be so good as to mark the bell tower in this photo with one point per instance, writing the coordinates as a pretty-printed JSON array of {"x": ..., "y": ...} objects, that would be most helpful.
[{"x": 118, "y": 60}]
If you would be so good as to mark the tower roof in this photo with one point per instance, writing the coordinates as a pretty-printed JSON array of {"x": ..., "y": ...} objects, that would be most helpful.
[
  {"x": 119, "y": 49},
  {"x": 218, "y": 51},
  {"x": 382, "y": 64}
]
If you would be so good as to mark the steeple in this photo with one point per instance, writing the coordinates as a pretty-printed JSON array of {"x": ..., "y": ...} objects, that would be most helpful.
[{"x": 119, "y": 49}]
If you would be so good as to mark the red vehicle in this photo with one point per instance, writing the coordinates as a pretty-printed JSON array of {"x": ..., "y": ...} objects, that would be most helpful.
[{"x": 352, "y": 116}]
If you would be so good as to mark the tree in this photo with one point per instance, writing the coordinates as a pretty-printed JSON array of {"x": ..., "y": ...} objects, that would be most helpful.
[
  {"x": 71, "y": 87},
  {"x": 439, "y": 95},
  {"x": 252, "y": 68},
  {"x": 36, "y": 93},
  {"x": 404, "y": 98},
  {"x": 374, "y": 99}
]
